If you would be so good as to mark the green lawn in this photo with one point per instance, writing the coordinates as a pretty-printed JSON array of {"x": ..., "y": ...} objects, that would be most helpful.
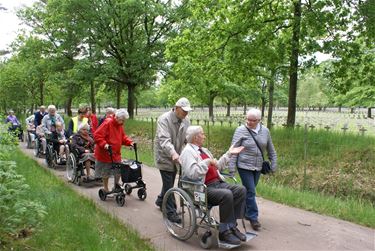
[{"x": 72, "y": 221}]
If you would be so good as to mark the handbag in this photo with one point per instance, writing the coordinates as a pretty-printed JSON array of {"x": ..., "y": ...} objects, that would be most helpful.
[{"x": 266, "y": 165}]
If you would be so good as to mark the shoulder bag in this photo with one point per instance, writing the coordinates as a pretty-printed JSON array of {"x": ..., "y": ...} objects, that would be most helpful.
[{"x": 266, "y": 166}]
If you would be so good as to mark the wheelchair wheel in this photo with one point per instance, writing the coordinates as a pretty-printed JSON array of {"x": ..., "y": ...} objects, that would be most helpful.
[
  {"x": 142, "y": 194},
  {"x": 71, "y": 168},
  {"x": 207, "y": 240},
  {"x": 128, "y": 189},
  {"x": 185, "y": 209},
  {"x": 102, "y": 194},
  {"x": 50, "y": 157},
  {"x": 120, "y": 199},
  {"x": 28, "y": 141},
  {"x": 36, "y": 149}
]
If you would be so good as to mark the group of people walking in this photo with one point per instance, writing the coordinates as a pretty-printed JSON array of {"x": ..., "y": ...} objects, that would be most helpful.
[{"x": 178, "y": 144}]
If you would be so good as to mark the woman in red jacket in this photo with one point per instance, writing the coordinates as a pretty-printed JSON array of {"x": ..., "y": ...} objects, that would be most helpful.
[{"x": 110, "y": 133}]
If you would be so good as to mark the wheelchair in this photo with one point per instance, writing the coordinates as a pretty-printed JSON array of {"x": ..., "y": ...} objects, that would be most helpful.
[
  {"x": 52, "y": 155},
  {"x": 195, "y": 214},
  {"x": 30, "y": 139},
  {"x": 38, "y": 147},
  {"x": 75, "y": 168}
]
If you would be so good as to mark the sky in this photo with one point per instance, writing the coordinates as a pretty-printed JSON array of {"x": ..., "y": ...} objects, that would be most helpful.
[{"x": 9, "y": 22}]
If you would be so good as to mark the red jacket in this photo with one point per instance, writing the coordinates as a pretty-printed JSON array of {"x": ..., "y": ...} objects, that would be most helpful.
[
  {"x": 112, "y": 133},
  {"x": 93, "y": 121}
]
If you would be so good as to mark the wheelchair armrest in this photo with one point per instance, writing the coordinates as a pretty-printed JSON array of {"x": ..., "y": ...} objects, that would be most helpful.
[{"x": 192, "y": 182}]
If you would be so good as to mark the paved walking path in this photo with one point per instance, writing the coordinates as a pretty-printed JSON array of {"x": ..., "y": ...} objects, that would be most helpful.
[{"x": 283, "y": 227}]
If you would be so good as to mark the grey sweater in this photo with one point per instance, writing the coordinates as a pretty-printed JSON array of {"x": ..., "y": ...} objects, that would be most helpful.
[{"x": 251, "y": 158}]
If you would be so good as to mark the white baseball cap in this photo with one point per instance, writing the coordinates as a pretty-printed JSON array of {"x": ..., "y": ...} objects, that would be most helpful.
[{"x": 184, "y": 104}]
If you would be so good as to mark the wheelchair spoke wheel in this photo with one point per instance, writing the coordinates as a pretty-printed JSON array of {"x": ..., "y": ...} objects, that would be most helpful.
[
  {"x": 36, "y": 149},
  {"x": 182, "y": 223},
  {"x": 49, "y": 157},
  {"x": 28, "y": 141},
  {"x": 71, "y": 168}
]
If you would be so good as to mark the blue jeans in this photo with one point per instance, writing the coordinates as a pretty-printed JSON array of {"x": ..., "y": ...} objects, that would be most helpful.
[{"x": 250, "y": 180}]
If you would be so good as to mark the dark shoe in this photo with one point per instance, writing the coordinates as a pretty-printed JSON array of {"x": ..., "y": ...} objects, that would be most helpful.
[
  {"x": 228, "y": 237},
  {"x": 158, "y": 204},
  {"x": 255, "y": 224},
  {"x": 238, "y": 234},
  {"x": 117, "y": 189},
  {"x": 174, "y": 218}
]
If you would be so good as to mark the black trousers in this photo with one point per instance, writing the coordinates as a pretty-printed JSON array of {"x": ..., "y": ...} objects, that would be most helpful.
[
  {"x": 168, "y": 182},
  {"x": 230, "y": 199}
]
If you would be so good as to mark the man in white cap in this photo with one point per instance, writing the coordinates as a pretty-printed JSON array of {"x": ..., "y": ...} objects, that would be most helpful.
[{"x": 169, "y": 141}]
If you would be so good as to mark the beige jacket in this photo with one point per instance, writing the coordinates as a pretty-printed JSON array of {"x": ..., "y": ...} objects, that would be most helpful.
[{"x": 169, "y": 139}]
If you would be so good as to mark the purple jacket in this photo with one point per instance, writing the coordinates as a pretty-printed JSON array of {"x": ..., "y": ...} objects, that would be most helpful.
[{"x": 13, "y": 120}]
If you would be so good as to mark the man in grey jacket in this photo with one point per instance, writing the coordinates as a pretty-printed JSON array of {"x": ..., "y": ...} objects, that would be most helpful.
[{"x": 169, "y": 141}]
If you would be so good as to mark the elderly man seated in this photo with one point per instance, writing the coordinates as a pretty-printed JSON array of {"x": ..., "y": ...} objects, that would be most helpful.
[{"x": 197, "y": 163}]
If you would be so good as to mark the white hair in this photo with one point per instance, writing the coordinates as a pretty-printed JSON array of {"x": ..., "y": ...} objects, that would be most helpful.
[
  {"x": 51, "y": 107},
  {"x": 83, "y": 126},
  {"x": 122, "y": 114},
  {"x": 254, "y": 112},
  {"x": 192, "y": 131},
  {"x": 110, "y": 110}
]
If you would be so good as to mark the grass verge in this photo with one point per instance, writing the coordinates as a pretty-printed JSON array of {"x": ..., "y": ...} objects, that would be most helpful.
[{"x": 72, "y": 221}]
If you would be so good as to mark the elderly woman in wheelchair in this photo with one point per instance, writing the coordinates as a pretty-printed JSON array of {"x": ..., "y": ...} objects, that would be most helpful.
[
  {"x": 82, "y": 155},
  {"x": 201, "y": 180}
]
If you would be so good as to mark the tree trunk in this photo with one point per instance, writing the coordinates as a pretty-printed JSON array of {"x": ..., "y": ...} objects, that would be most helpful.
[
  {"x": 228, "y": 108},
  {"x": 41, "y": 90},
  {"x": 293, "y": 70},
  {"x": 136, "y": 106},
  {"x": 211, "y": 105},
  {"x": 69, "y": 106},
  {"x": 263, "y": 97},
  {"x": 244, "y": 109},
  {"x": 131, "y": 98},
  {"x": 118, "y": 95},
  {"x": 92, "y": 96},
  {"x": 369, "y": 112},
  {"x": 339, "y": 108},
  {"x": 270, "y": 101}
]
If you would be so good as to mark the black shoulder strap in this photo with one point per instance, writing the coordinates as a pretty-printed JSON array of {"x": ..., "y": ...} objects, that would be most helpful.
[{"x": 256, "y": 142}]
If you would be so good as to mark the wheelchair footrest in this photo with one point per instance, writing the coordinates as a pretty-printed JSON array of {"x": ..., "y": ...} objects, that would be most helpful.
[
  {"x": 226, "y": 245},
  {"x": 250, "y": 236}
]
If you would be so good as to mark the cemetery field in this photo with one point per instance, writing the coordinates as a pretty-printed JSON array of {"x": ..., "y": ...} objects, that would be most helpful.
[
  {"x": 329, "y": 120},
  {"x": 333, "y": 168}
]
